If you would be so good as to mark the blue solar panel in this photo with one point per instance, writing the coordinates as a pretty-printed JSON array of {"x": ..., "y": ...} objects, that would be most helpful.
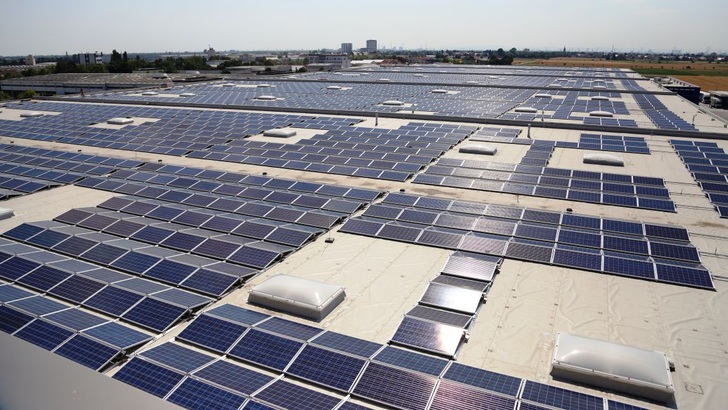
[
  {"x": 155, "y": 314},
  {"x": 238, "y": 314},
  {"x": 44, "y": 278},
  {"x": 560, "y": 398},
  {"x": 673, "y": 251},
  {"x": 212, "y": 333},
  {"x": 44, "y": 334},
  {"x": 12, "y": 320},
  {"x": 76, "y": 288},
  {"x": 578, "y": 259},
  {"x": 22, "y": 232},
  {"x": 348, "y": 344},
  {"x": 177, "y": 357},
  {"x": 149, "y": 377},
  {"x": 667, "y": 232},
  {"x": 483, "y": 379},
  {"x": 395, "y": 387},
  {"x": 629, "y": 267},
  {"x": 625, "y": 244},
  {"x": 118, "y": 335},
  {"x": 684, "y": 276},
  {"x": 234, "y": 377},
  {"x": 9, "y": 293},
  {"x": 194, "y": 394},
  {"x": 266, "y": 349},
  {"x": 325, "y": 367},
  {"x": 76, "y": 319},
  {"x": 454, "y": 396},
  {"x": 254, "y": 257},
  {"x": 135, "y": 262},
  {"x": 38, "y": 305},
  {"x": 209, "y": 282},
  {"x": 170, "y": 271},
  {"x": 113, "y": 300},
  {"x": 430, "y": 336},
  {"x": 411, "y": 360},
  {"x": 614, "y": 405},
  {"x": 294, "y": 397},
  {"x": 16, "y": 267},
  {"x": 87, "y": 352},
  {"x": 289, "y": 328}
]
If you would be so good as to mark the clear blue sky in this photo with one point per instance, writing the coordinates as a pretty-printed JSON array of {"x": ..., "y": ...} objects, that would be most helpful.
[{"x": 58, "y": 26}]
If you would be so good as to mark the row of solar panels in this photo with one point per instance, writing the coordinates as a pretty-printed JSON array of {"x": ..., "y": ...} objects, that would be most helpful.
[
  {"x": 660, "y": 115},
  {"x": 314, "y": 358},
  {"x": 448, "y": 306},
  {"x": 708, "y": 163}
]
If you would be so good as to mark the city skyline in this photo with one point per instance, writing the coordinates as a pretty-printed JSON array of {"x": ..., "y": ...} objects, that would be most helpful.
[{"x": 48, "y": 28}]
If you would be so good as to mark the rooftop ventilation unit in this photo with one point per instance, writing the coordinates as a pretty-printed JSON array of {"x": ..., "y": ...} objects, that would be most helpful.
[
  {"x": 543, "y": 95},
  {"x": 31, "y": 114},
  {"x": 265, "y": 97},
  {"x": 5, "y": 213},
  {"x": 439, "y": 91},
  {"x": 530, "y": 110},
  {"x": 482, "y": 149},
  {"x": 280, "y": 133},
  {"x": 393, "y": 102},
  {"x": 187, "y": 95},
  {"x": 120, "y": 121},
  {"x": 297, "y": 296},
  {"x": 600, "y": 114},
  {"x": 150, "y": 93},
  {"x": 600, "y": 98},
  {"x": 604, "y": 159},
  {"x": 333, "y": 87},
  {"x": 639, "y": 372},
  {"x": 263, "y": 86}
]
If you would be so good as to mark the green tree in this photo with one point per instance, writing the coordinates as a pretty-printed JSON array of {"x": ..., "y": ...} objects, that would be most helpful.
[
  {"x": 5, "y": 96},
  {"x": 29, "y": 93}
]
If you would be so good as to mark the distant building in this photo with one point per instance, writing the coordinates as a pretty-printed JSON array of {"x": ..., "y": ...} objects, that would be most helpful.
[
  {"x": 90, "y": 58},
  {"x": 333, "y": 61},
  {"x": 347, "y": 48},
  {"x": 30, "y": 60},
  {"x": 371, "y": 46}
]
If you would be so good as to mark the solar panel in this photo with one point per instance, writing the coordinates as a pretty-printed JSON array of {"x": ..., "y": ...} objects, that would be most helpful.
[
  {"x": 212, "y": 333},
  {"x": 395, "y": 387},
  {"x": 629, "y": 267},
  {"x": 347, "y": 344},
  {"x": 75, "y": 319},
  {"x": 561, "y": 398},
  {"x": 149, "y": 377},
  {"x": 528, "y": 252},
  {"x": 76, "y": 288},
  {"x": 454, "y": 396},
  {"x": 155, "y": 314},
  {"x": 326, "y": 367},
  {"x": 182, "y": 298},
  {"x": 22, "y": 232},
  {"x": 578, "y": 259},
  {"x": 9, "y": 293},
  {"x": 16, "y": 267},
  {"x": 672, "y": 251},
  {"x": 288, "y": 328},
  {"x": 196, "y": 394},
  {"x": 430, "y": 336},
  {"x": 266, "y": 349},
  {"x": 87, "y": 352},
  {"x": 170, "y": 271},
  {"x": 254, "y": 257},
  {"x": 440, "y": 316},
  {"x": 684, "y": 276},
  {"x": 44, "y": 278},
  {"x": 38, "y": 305},
  {"x": 483, "y": 379},
  {"x": 12, "y": 320},
  {"x": 452, "y": 298},
  {"x": 294, "y": 397},
  {"x": 44, "y": 334},
  {"x": 113, "y": 300},
  {"x": 411, "y": 360},
  {"x": 234, "y": 377},
  {"x": 118, "y": 335},
  {"x": 447, "y": 240},
  {"x": 177, "y": 357},
  {"x": 473, "y": 266}
]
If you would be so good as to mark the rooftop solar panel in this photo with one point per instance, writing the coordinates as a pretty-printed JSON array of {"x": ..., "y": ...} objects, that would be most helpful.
[
  {"x": 177, "y": 357},
  {"x": 87, "y": 352},
  {"x": 266, "y": 349},
  {"x": 395, "y": 387},
  {"x": 291, "y": 396},
  {"x": 149, "y": 377},
  {"x": 452, "y": 396},
  {"x": 44, "y": 334},
  {"x": 12, "y": 320},
  {"x": 234, "y": 377},
  {"x": 197, "y": 394},
  {"x": 326, "y": 367}
]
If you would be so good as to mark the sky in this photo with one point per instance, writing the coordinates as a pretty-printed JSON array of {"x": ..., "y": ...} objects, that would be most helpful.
[{"x": 42, "y": 27}]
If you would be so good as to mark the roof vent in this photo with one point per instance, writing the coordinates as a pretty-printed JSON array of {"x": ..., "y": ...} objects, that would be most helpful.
[
  {"x": 120, "y": 121},
  {"x": 265, "y": 97},
  {"x": 187, "y": 95},
  {"x": 31, "y": 114},
  {"x": 483, "y": 149},
  {"x": 600, "y": 98},
  {"x": 600, "y": 114},
  {"x": 5, "y": 213},
  {"x": 263, "y": 86},
  {"x": 439, "y": 91},
  {"x": 280, "y": 133},
  {"x": 333, "y": 87},
  {"x": 530, "y": 110},
  {"x": 639, "y": 372},
  {"x": 543, "y": 95},
  {"x": 393, "y": 102},
  {"x": 150, "y": 93},
  {"x": 302, "y": 297},
  {"x": 604, "y": 159}
]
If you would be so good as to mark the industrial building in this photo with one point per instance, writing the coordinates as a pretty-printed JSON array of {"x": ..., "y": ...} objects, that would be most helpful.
[{"x": 413, "y": 237}]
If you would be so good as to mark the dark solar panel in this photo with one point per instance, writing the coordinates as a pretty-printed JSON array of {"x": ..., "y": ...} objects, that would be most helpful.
[
  {"x": 430, "y": 336},
  {"x": 170, "y": 271},
  {"x": 149, "y": 377},
  {"x": 578, "y": 259},
  {"x": 87, "y": 352},
  {"x": 212, "y": 333},
  {"x": 684, "y": 276},
  {"x": 294, "y": 397},
  {"x": 237, "y": 314},
  {"x": 15, "y": 267},
  {"x": 531, "y": 253},
  {"x": 177, "y": 357},
  {"x": 199, "y": 395},
  {"x": 560, "y": 398},
  {"x": 266, "y": 349},
  {"x": 234, "y": 377},
  {"x": 44, "y": 334},
  {"x": 12, "y": 320},
  {"x": 455, "y": 396},
  {"x": 325, "y": 367},
  {"x": 254, "y": 257},
  {"x": 38, "y": 305},
  {"x": 44, "y": 278},
  {"x": 289, "y": 328},
  {"x": 113, "y": 300},
  {"x": 348, "y": 344},
  {"x": 395, "y": 387},
  {"x": 410, "y": 360},
  {"x": 209, "y": 282},
  {"x": 75, "y": 319},
  {"x": 483, "y": 379},
  {"x": 154, "y": 314},
  {"x": 452, "y": 298},
  {"x": 629, "y": 267},
  {"x": 118, "y": 335}
]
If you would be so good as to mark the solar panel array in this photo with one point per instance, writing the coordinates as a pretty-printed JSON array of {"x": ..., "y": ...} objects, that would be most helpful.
[
  {"x": 534, "y": 178},
  {"x": 660, "y": 115},
  {"x": 626, "y": 248},
  {"x": 85, "y": 338},
  {"x": 310, "y": 358},
  {"x": 708, "y": 164},
  {"x": 445, "y": 313}
]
